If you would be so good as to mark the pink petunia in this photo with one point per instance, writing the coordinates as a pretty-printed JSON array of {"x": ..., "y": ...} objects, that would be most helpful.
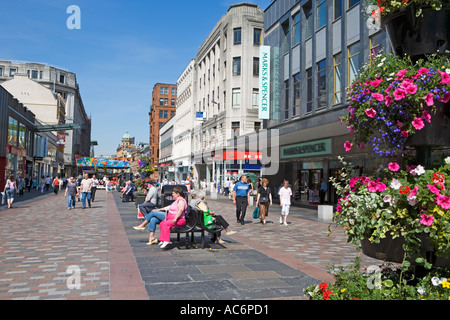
[
  {"x": 401, "y": 74},
  {"x": 413, "y": 192},
  {"x": 423, "y": 71},
  {"x": 399, "y": 94},
  {"x": 433, "y": 189},
  {"x": 375, "y": 83},
  {"x": 406, "y": 83},
  {"x": 381, "y": 187},
  {"x": 393, "y": 166},
  {"x": 429, "y": 99},
  {"x": 378, "y": 96},
  {"x": 418, "y": 123},
  {"x": 445, "y": 98},
  {"x": 371, "y": 112},
  {"x": 426, "y": 219},
  {"x": 388, "y": 100},
  {"x": 405, "y": 133},
  {"x": 443, "y": 201},
  {"x": 400, "y": 124},
  {"x": 347, "y": 145},
  {"x": 445, "y": 78},
  {"x": 426, "y": 116},
  {"x": 412, "y": 89},
  {"x": 372, "y": 186}
]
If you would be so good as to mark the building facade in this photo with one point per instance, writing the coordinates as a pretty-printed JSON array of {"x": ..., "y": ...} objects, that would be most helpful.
[
  {"x": 317, "y": 48},
  {"x": 164, "y": 97},
  {"x": 167, "y": 166},
  {"x": 226, "y": 89},
  {"x": 63, "y": 84}
]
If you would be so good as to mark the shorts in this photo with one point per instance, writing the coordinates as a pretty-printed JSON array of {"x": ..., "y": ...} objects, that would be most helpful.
[{"x": 285, "y": 209}]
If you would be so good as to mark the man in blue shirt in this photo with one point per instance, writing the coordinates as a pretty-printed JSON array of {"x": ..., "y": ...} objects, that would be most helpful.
[{"x": 241, "y": 198}]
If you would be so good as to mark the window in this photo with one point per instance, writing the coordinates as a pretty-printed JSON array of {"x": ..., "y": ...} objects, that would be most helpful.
[
  {"x": 22, "y": 132},
  {"x": 286, "y": 99},
  {"x": 161, "y": 113},
  {"x": 172, "y": 113},
  {"x": 174, "y": 91},
  {"x": 1, "y": 71},
  {"x": 309, "y": 20},
  {"x": 286, "y": 41},
  {"x": 161, "y": 101},
  {"x": 309, "y": 94},
  {"x": 321, "y": 13},
  {"x": 352, "y": 3},
  {"x": 172, "y": 102},
  {"x": 164, "y": 90},
  {"x": 296, "y": 29},
  {"x": 256, "y": 67},
  {"x": 237, "y": 36},
  {"x": 236, "y": 66},
  {"x": 353, "y": 62},
  {"x": 255, "y": 98},
  {"x": 297, "y": 94},
  {"x": 256, "y": 37},
  {"x": 62, "y": 78},
  {"x": 376, "y": 44},
  {"x": 12, "y": 131},
  {"x": 12, "y": 72},
  {"x": 235, "y": 126},
  {"x": 322, "y": 84},
  {"x": 236, "y": 97},
  {"x": 166, "y": 101},
  {"x": 40, "y": 74},
  {"x": 337, "y": 9},
  {"x": 34, "y": 74},
  {"x": 337, "y": 79}
]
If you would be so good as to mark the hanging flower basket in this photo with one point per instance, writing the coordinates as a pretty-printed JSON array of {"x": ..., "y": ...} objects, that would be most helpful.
[{"x": 418, "y": 31}]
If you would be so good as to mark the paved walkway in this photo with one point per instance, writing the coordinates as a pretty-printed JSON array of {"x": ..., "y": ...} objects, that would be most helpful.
[{"x": 47, "y": 250}]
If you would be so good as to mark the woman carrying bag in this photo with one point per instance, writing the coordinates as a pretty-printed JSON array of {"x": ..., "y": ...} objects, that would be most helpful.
[
  {"x": 264, "y": 200},
  {"x": 10, "y": 190}
]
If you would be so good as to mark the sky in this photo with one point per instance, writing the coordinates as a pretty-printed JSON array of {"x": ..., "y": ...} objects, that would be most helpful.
[{"x": 121, "y": 51}]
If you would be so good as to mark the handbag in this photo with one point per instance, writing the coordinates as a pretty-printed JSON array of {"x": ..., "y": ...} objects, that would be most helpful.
[
  {"x": 207, "y": 220},
  {"x": 256, "y": 213}
]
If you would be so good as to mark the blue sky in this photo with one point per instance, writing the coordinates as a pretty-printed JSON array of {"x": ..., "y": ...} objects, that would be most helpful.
[{"x": 122, "y": 49}]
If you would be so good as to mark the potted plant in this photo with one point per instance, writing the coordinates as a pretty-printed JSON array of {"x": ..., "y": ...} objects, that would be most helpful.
[
  {"x": 415, "y": 27},
  {"x": 393, "y": 99},
  {"x": 411, "y": 204}
]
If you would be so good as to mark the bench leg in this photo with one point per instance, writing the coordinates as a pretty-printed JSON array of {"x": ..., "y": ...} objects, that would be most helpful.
[{"x": 203, "y": 239}]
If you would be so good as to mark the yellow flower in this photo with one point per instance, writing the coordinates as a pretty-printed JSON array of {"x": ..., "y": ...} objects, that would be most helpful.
[
  {"x": 343, "y": 290},
  {"x": 446, "y": 284}
]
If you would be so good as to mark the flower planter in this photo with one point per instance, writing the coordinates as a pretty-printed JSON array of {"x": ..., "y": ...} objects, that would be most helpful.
[
  {"x": 391, "y": 250},
  {"x": 417, "y": 36}
]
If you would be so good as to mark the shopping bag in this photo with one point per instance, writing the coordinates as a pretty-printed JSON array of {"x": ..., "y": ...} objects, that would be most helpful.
[
  {"x": 256, "y": 213},
  {"x": 3, "y": 197},
  {"x": 140, "y": 215},
  {"x": 207, "y": 219}
]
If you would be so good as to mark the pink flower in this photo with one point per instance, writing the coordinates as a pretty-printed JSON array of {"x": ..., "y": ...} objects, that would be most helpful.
[
  {"x": 413, "y": 192},
  {"x": 443, "y": 201},
  {"x": 445, "y": 78},
  {"x": 347, "y": 145},
  {"x": 399, "y": 94},
  {"x": 426, "y": 116},
  {"x": 411, "y": 89},
  {"x": 406, "y": 83},
  {"x": 418, "y": 123},
  {"x": 372, "y": 186},
  {"x": 445, "y": 98},
  {"x": 381, "y": 187},
  {"x": 393, "y": 166},
  {"x": 433, "y": 189},
  {"x": 375, "y": 83},
  {"x": 405, "y": 133},
  {"x": 371, "y": 112},
  {"x": 388, "y": 100},
  {"x": 400, "y": 124},
  {"x": 401, "y": 74},
  {"x": 429, "y": 99},
  {"x": 378, "y": 96},
  {"x": 338, "y": 208},
  {"x": 423, "y": 71},
  {"x": 426, "y": 219},
  {"x": 350, "y": 128}
]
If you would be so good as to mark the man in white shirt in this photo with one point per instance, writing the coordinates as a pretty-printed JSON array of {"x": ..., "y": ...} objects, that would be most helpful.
[
  {"x": 150, "y": 200},
  {"x": 95, "y": 183},
  {"x": 285, "y": 194},
  {"x": 85, "y": 188}
]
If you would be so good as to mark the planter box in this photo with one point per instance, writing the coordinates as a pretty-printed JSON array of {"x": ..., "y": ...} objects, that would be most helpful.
[
  {"x": 391, "y": 250},
  {"x": 417, "y": 36}
]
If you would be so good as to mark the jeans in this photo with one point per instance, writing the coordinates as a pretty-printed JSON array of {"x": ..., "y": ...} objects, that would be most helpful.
[
  {"x": 10, "y": 194},
  {"x": 71, "y": 201},
  {"x": 85, "y": 195},
  {"x": 154, "y": 218}
]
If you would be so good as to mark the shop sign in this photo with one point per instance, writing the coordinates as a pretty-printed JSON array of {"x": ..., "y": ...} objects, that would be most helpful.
[
  {"x": 307, "y": 149},
  {"x": 264, "y": 82}
]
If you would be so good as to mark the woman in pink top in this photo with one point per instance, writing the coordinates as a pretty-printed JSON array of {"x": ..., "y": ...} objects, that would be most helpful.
[{"x": 176, "y": 217}]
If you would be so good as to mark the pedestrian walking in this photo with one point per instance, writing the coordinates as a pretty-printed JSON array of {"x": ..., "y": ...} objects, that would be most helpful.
[
  {"x": 71, "y": 192},
  {"x": 35, "y": 183},
  {"x": 95, "y": 183},
  {"x": 20, "y": 186},
  {"x": 264, "y": 200},
  {"x": 85, "y": 189},
  {"x": 48, "y": 181},
  {"x": 285, "y": 195},
  {"x": 55, "y": 185},
  {"x": 241, "y": 198},
  {"x": 10, "y": 190}
]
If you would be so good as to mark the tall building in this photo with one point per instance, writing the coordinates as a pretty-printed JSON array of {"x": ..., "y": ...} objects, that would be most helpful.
[
  {"x": 317, "y": 48},
  {"x": 163, "y": 108},
  {"x": 226, "y": 90},
  {"x": 63, "y": 84}
]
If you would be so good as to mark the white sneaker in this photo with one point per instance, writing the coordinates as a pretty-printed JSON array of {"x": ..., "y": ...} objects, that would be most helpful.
[
  {"x": 69, "y": 208},
  {"x": 281, "y": 220},
  {"x": 164, "y": 244},
  {"x": 285, "y": 223},
  {"x": 229, "y": 233}
]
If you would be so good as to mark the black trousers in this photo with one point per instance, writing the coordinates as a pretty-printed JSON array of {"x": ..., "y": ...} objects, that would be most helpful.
[
  {"x": 93, "y": 191},
  {"x": 221, "y": 222},
  {"x": 146, "y": 207},
  {"x": 241, "y": 207}
]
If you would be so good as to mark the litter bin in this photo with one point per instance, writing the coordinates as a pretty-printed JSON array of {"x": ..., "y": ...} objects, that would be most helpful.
[{"x": 166, "y": 194}]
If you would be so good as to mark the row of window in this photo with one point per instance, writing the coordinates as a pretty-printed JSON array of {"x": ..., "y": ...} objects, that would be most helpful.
[
  {"x": 165, "y": 114},
  {"x": 32, "y": 74},
  {"x": 165, "y": 102},
  {"x": 165, "y": 90}
]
